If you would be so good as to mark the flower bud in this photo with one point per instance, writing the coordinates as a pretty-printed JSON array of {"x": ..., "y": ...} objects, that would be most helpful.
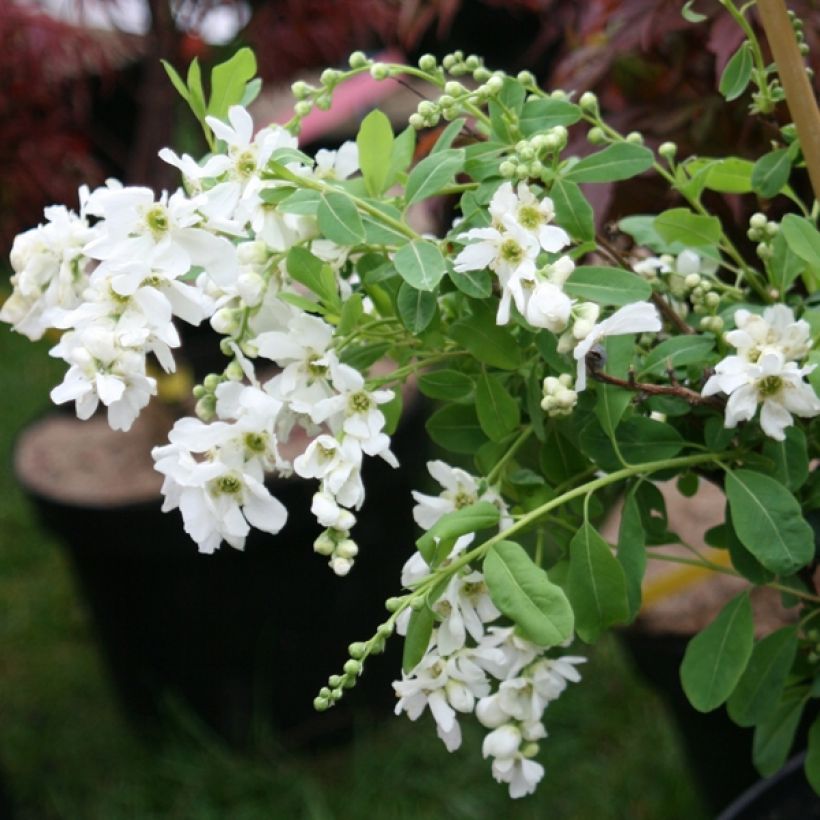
[
  {"x": 668, "y": 150},
  {"x": 526, "y": 78},
  {"x": 379, "y": 71},
  {"x": 596, "y": 136},
  {"x": 347, "y": 549},
  {"x": 507, "y": 169},
  {"x": 634, "y": 138},
  {"x": 300, "y": 89},
  {"x": 558, "y": 94},
  {"x": 588, "y": 102},
  {"x": 356, "y": 650},
  {"x": 692, "y": 280},
  {"x": 211, "y": 382},
  {"x": 234, "y": 372},
  {"x": 352, "y": 666},
  {"x": 427, "y": 62},
  {"x": 324, "y": 544},
  {"x": 758, "y": 220},
  {"x": 329, "y": 77},
  {"x": 358, "y": 59},
  {"x": 320, "y": 704},
  {"x": 302, "y": 108},
  {"x": 454, "y": 88},
  {"x": 251, "y": 288},
  {"x": 341, "y": 566},
  {"x": 502, "y": 742}
]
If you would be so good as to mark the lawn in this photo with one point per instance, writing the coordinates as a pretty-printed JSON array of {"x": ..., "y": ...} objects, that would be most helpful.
[{"x": 68, "y": 752}]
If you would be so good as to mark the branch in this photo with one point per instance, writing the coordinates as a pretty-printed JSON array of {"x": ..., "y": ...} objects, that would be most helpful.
[{"x": 677, "y": 391}]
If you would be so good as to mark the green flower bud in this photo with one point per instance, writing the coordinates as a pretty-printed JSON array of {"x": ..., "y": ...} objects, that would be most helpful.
[
  {"x": 526, "y": 78},
  {"x": 764, "y": 251},
  {"x": 507, "y": 169},
  {"x": 335, "y": 694},
  {"x": 205, "y": 408},
  {"x": 472, "y": 62},
  {"x": 385, "y": 630},
  {"x": 392, "y": 604},
  {"x": 379, "y": 71},
  {"x": 416, "y": 121},
  {"x": 482, "y": 74},
  {"x": 335, "y": 681},
  {"x": 772, "y": 228},
  {"x": 329, "y": 77},
  {"x": 668, "y": 150},
  {"x": 352, "y": 666},
  {"x": 300, "y": 89},
  {"x": 758, "y": 220},
  {"x": 320, "y": 704},
  {"x": 303, "y": 108},
  {"x": 198, "y": 391},
  {"x": 634, "y": 138},
  {"x": 558, "y": 94},
  {"x": 357, "y": 650},
  {"x": 453, "y": 88},
  {"x": 536, "y": 167},
  {"x": 596, "y": 136},
  {"x": 448, "y": 62},
  {"x": 358, "y": 59},
  {"x": 522, "y": 171},
  {"x": 427, "y": 62},
  {"x": 324, "y": 692},
  {"x": 234, "y": 372},
  {"x": 323, "y": 102},
  {"x": 588, "y": 102}
]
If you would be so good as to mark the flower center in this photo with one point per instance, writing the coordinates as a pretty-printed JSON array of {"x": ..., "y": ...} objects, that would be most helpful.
[
  {"x": 529, "y": 217},
  {"x": 157, "y": 220},
  {"x": 246, "y": 164},
  {"x": 256, "y": 442},
  {"x": 228, "y": 484},
  {"x": 511, "y": 251},
  {"x": 769, "y": 386},
  {"x": 325, "y": 453},
  {"x": 462, "y": 499},
  {"x": 315, "y": 368},
  {"x": 359, "y": 402}
]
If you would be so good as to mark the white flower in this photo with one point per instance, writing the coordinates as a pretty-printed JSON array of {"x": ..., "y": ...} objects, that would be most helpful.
[
  {"x": 776, "y": 330},
  {"x": 638, "y": 317},
  {"x": 549, "y": 307},
  {"x": 339, "y": 164},
  {"x": 464, "y": 607},
  {"x": 774, "y": 383},
  {"x": 522, "y": 774},
  {"x": 530, "y": 213}
]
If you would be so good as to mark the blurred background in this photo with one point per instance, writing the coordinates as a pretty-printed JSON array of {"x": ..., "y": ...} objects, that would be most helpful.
[{"x": 83, "y": 96}]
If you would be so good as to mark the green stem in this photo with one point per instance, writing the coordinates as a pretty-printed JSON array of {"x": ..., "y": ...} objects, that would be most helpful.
[{"x": 496, "y": 471}]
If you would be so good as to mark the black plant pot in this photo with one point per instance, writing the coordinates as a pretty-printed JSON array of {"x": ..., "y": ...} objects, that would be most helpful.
[
  {"x": 785, "y": 795},
  {"x": 243, "y": 639}
]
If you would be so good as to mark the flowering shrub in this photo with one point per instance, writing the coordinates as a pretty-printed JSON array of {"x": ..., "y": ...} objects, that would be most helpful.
[{"x": 564, "y": 362}]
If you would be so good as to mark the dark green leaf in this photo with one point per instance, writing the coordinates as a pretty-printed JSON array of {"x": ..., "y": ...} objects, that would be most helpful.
[
  {"x": 448, "y": 135},
  {"x": 419, "y": 630},
  {"x": 785, "y": 265},
  {"x": 676, "y": 352},
  {"x": 683, "y": 225},
  {"x": 596, "y": 585},
  {"x": 420, "y": 264},
  {"x": 541, "y": 115},
  {"x": 339, "y": 220},
  {"x": 432, "y": 174},
  {"x": 790, "y": 457},
  {"x": 774, "y": 737},
  {"x": 769, "y": 522},
  {"x": 771, "y": 172},
  {"x": 310, "y": 271},
  {"x": 416, "y": 308},
  {"x": 449, "y": 385},
  {"x": 490, "y": 343},
  {"x": 456, "y": 428},
  {"x": 607, "y": 286},
  {"x": 498, "y": 412},
  {"x": 632, "y": 552},
  {"x": 716, "y": 658},
  {"x": 803, "y": 238},
  {"x": 572, "y": 211},
  {"x": 524, "y": 593},
  {"x": 737, "y": 73},
  {"x": 759, "y": 689},
  {"x": 352, "y": 312},
  {"x": 812, "y": 763},
  {"x": 477, "y": 284},
  {"x": 616, "y": 162}
]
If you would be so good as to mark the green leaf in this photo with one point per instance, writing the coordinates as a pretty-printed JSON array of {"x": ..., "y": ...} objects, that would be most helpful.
[
  {"x": 482, "y": 160},
  {"x": 683, "y": 225},
  {"x": 177, "y": 81},
  {"x": 417, "y": 639},
  {"x": 737, "y": 73},
  {"x": 375, "y": 144},
  {"x": 470, "y": 519},
  {"x": 632, "y": 552},
  {"x": 812, "y": 763},
  {"x": 302, "y": 202},
  {"x": 251, "y": 92},
  {"x": 541, "y": 115},
  {"x": 498, "y": 412},
  {"x": 352, "y": 312},
  {"x": 730, "y": 176},
  {"x": 774, "y": 737},
  {"x": 228, "y": 81},
  {"x": 524, "y": 593},
  {"x": 378, "y": 232},
  {"x": 606, "y": 285},
  {"x": 790, "y": 457},
  {"x": 448, "y": 135},
  {"x": 677, "y": 352},
  {"x": 760, "y": 686},
  {"x": 420, "y": 264},
  {"x": 743, "y": 560},
  {"x": 559, "y": 460},
  {"x": 477, "y": 284},
  {"x": 803, "y": 238},
  {"x": 640, "y": 439},
  {"x": 534, "y": 396},
  {"x": 416, "y": 308},
  {"x": 691, "y": 16},
  {"x": 445, "y": 384},
  {"x": 771, "y": 172},
  {"x": 572, "y": 211},
  {"x": 456, "y": 428},
  {"x": 339, "y": 221},
  {"x": 622, "y": 160},
  {"x": 432, "y": 174},
  {"x": 785, "y": 265},
  {"x": 596, "y": 585},
  {"x": 311, "y": 272},
  {"x": 490, "y": 343},
  {"x": 197, "y": 100},
  {"x": 401, "y": 155},
  {"x": 716, "y": 658},
  {"x": 391, "y": 410},
  {"x": 769, "y": 522}
]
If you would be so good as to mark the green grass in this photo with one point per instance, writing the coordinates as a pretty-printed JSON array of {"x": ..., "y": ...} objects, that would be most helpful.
[{"x": 68, "y": 752}]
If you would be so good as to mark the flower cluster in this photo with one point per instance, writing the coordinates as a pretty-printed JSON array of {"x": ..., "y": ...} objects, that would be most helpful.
[{"x": 471, "y": 667}]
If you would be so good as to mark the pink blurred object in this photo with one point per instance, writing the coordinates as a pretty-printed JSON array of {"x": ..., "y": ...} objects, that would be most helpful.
[{"x": 351, "y": 98}]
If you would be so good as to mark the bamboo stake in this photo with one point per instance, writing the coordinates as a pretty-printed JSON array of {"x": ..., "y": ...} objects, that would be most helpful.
[{"x": 799, "y": 95}]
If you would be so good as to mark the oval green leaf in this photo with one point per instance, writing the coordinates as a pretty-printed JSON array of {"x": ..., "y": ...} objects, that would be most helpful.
[
  {"x": 420, "y": 264},
  {"x": 498, "y": 412},
  {"x": 339, "y": 221},
  {"x": 607, "y": 285}
]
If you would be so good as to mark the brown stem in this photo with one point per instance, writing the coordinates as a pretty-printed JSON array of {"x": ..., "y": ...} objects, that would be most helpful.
[
  {"x": 677, "y": 391},
  {"x": 792, "y": 71}
]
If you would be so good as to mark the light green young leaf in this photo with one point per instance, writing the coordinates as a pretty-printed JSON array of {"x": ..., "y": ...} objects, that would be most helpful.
[
  {"x": 688, "y": 13},
  {"x": 311, "y": 272},
  {"x": 737, "y": 73},
  {"x": 732, "y": 175},
  {"x": 432, "y": 174},
  {"x": 375, "y": 144},
  {"x": 596, "y": 585},
  {"x": 607, "y": 285},
  {"x": 769, "y": 522},
  {"x": 401, "y": 155},
  {"x": 197, "y": 99},
  {"x": 616, "y": 162},
  {"x": 716, "y": 658},
  {"x": 421, "y": 264},
  {"x": 687, "y": 227},
  {"x": 498, "y": 412},
  {"x": 177, "y": 82},
  {"x": 785, "y": 265},
  {"x": 339, "y": 220},
  {"x": 228, "y": 82},
  {"x": 760, "y": 686},
  {"x": 416, "y": 308},
  {"x": 524, "y": 593},
  {"x": 803, "y": 238},
  {"x": 352, "y": 312}
]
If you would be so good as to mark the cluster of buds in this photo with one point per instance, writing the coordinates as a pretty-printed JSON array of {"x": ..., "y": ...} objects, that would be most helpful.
[
  {"x": 559, "y": 397},
  {"x": 527, "y": 161},
  {"x": 339, "y": 547},
  {"x": 763, "y": 231}
]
